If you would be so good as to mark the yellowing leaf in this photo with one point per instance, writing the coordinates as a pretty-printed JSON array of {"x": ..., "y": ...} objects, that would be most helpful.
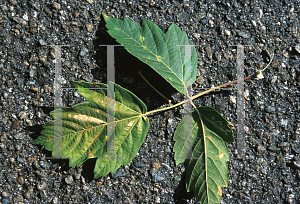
[{"x": 84, "y": 128}]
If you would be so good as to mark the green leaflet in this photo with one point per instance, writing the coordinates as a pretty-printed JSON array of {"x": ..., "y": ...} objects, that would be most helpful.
[
  {"x": 84, "y": 128},
  {"x": 156, "y": 49},
  {"x": 207, "y": 174}
]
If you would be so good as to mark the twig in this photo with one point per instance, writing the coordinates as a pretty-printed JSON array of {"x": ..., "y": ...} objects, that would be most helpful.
[{"x": 257, "y": 74}]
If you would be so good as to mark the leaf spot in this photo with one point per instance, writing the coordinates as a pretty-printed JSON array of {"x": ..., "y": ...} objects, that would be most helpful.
[
  {"x": 131, "y": 123},
  {"x": 102, "y": 102},
  {"x": 90, "y": 154},
  {"x": 220, "y": 156},
  {"x": 96, "y": 137},
  {"x": 159, "y": 58},
  {"x": 142, "y": 38},
  {"x": 85, "y": 118},
  {"x": 220, "y": 190},
  {"x": 49, "y": 139}
]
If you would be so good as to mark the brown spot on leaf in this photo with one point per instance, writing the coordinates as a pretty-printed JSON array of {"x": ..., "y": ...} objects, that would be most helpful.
[
  {"x": 88, "y": 128},
  {"x": 96, "y": 137},
  {"x": 220, "y": 156},
  {"x": 220, "y": 190},
  {"x": 131, "y": 123},
  {"x": 90, "y": 154},
  {"x": 86, "y": 118}
]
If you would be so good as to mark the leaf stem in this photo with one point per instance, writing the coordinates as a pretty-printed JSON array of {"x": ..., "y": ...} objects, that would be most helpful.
[
  {"x": 198, "y": 95},
  {"x": 212, "y": 89}
]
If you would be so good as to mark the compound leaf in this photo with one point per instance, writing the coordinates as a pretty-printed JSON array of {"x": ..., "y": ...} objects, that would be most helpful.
[
  {"x": 84, "y": 128},
  {"x": 203, "y": 135},
  {"x": 156, "y": 49}
]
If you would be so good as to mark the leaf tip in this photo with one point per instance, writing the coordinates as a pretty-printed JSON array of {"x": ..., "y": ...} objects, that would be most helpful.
[{"x": 104, "y": 15}]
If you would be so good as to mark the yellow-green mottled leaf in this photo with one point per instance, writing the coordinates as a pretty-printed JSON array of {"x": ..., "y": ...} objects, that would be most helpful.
[{"x": 84, "y": 128}]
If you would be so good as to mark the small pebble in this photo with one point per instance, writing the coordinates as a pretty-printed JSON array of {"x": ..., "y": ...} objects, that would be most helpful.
[
  {"x": 13, "y": 2},
  {"x": 246, "y": 94},
  {"x": 5, "y": 95},
  {"x": 274, "y": 148},
  {"x": 227, "y": 32},
  {"x": 41, "y": 186},
  {"x": 83, "y": 52},
  {"x": 77, "y": 176},
  {"x": 260, "y": 161},
  {"x": 232, "y": 99},
  {"x": 35, "y": 89},
  {"x": 156, "y": 175},
  {"x": 18, "y": 136},
  {"x": 42, "y": 42},
  {"x": 89, "y": 27},
  {"x": 196, "y": 35},
  {"x": 20, "y": 180},
  {"x": 244, "y": 34},
  {"x": 5, "y": 194},
  {"x": 261, "y": 149},
  {"x": 69, "y": 179},
  {"x": 253, "y": 23},
  {"x": 273, "y": 80},
  {"x": 56, "y": 5},
  {"x": 25, "y": 17},
  {"x": 284, "y": 122},
  {"x": 20, "y": 20},
  {"x": 297, "y": 48},
  {"x": 55, "y": 200},
  {"x": 208, "y": 52},
  {"x": 156, "y": 165},
  {"x": 297, "y": 163},
  {"x": 200, "y": 80}
]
